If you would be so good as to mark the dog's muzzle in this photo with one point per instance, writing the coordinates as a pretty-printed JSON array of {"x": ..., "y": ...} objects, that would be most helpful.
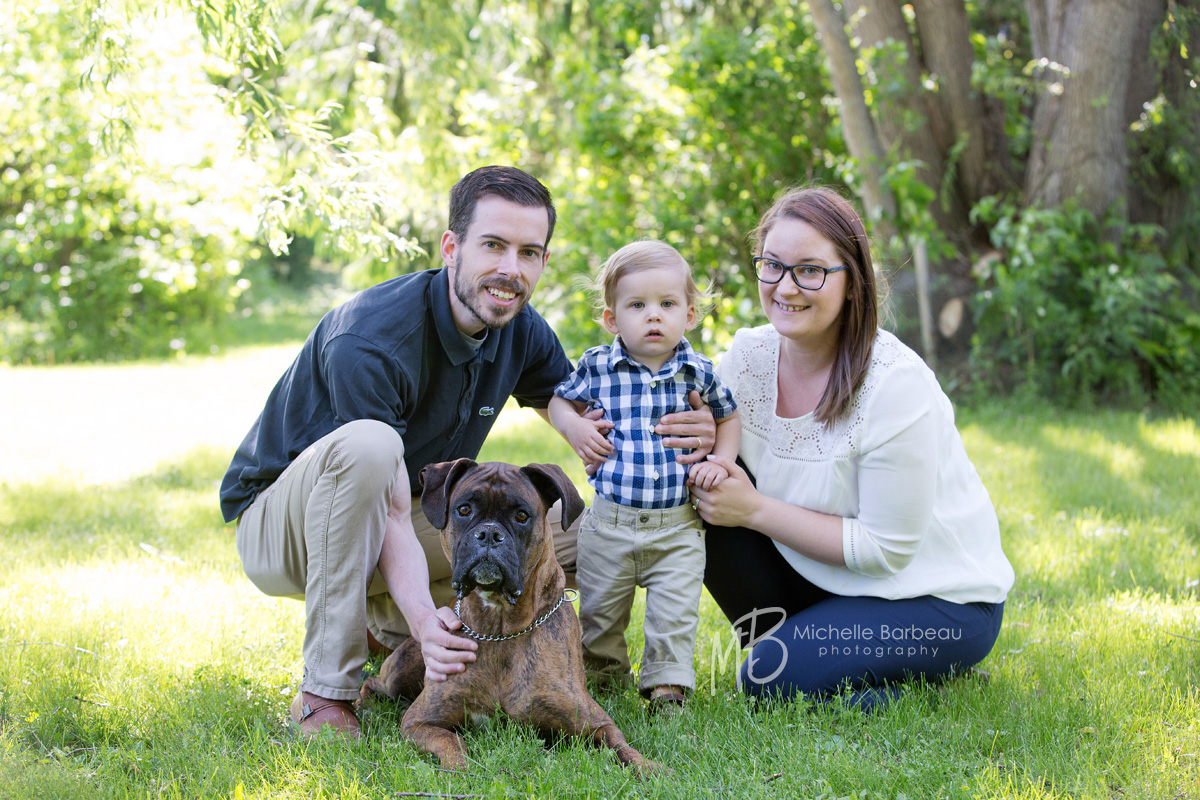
[{"x": 487, "y": 559}]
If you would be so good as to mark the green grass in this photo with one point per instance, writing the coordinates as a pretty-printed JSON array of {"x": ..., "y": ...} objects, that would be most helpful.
[{"x": 136, "y": 661}]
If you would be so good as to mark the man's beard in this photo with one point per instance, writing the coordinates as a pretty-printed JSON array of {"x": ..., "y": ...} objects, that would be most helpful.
[{"x": 469, "y": 296}]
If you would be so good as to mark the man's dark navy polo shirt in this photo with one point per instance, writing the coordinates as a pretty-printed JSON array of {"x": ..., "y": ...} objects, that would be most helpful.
[{"x": 394, "y": 354}]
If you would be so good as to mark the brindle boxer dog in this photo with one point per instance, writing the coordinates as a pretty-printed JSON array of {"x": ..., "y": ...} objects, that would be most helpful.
[{"x": 511, "y": 594}]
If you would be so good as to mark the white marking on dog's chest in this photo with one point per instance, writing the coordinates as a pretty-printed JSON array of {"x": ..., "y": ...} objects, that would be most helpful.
[{"x": 477, "y": 719}]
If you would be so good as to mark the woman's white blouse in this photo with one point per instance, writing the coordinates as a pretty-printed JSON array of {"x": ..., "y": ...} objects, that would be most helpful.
[{"x": 916, "y": 519}]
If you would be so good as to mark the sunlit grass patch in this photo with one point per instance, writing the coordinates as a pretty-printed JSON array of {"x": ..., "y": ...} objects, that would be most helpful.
[
  {"x": 126, "y": 644},
  {"x": 51, "y": 522},
  {"x": 1098, "y": 694},
  {"x": 106, "y": 423},
  {"x": 1092, "y": 503},
  {"x": 1177, "y": 436}
]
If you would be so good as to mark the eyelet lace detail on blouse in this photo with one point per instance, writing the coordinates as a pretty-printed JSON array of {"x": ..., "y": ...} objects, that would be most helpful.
[{"x": 755, "y": 358}]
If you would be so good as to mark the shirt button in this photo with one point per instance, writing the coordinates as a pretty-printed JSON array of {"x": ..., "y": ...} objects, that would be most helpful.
[
  {"x": 655, "y": 475},
  {"x": 643, "y": 518}
]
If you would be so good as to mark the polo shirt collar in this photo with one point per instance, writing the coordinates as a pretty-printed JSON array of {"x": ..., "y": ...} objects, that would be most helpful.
[{"x": 458, "y": 351}]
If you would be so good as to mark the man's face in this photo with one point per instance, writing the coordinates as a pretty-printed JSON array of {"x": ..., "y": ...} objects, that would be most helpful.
[{"x": 496, "y": 263}]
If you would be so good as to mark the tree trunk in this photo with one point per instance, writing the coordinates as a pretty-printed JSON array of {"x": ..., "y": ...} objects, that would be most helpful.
[
  {"x": 945, "y": 35},
  {"x": 1156, "y": 193},
  {"x": 857, "y": 125},
  {"x": 1080, "y": 144},
  {"x": 911, "y": 123}
]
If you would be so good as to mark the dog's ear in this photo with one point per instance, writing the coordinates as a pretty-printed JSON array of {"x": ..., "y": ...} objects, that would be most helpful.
[
  {"x": 553, "y": 484},
  {"x": 437, "y": 482}
]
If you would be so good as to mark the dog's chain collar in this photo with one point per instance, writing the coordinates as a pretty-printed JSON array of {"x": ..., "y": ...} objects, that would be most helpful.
[{"x": 568, "y": 594}]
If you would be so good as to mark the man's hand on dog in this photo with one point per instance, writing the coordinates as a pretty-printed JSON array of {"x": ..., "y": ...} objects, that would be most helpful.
[{"x": 445, "y": 654}]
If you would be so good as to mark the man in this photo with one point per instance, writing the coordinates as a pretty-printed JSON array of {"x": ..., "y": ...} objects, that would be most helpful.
[{"x": 407, "y": 373}]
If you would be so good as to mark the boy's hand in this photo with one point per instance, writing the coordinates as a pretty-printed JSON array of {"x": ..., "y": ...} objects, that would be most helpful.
[
  {"x": 707, "y": 474},
  {"x": 604, "y": 427},
  {"x": 603, "y": 424},
  {"x": 586, "y": 430},
  {"x": 587, "y": 439}
]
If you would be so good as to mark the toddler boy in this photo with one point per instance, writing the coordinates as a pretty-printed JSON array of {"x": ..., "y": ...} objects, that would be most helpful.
[{"x": 641, "y": 529}]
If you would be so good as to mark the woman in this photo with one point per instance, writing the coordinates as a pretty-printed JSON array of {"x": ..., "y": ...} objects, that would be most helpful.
[{"x": 858, "y": 548}]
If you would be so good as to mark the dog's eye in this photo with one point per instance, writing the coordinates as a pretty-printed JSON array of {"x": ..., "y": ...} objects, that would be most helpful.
[
  {"x": 522, "y": 516},
  {"x": 464, "y": 510}
]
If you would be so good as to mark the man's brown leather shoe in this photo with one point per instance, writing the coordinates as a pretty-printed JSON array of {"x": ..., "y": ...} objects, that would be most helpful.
[{"x": 311, "y": 713}]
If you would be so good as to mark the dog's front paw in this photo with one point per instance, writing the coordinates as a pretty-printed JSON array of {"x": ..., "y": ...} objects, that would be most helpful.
[
  {"x": 647, "y": 769},
  {"x": 638, "y": 764},
  {"x": 371, "y": 687}
]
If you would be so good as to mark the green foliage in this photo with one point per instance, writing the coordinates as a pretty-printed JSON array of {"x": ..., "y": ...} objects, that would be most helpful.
[
  {"x": 113, "y": 251},
  {"x": 999, "y": 73},
  {"x": 132, "y": 199},
  {"x": 145, "y": 190},
  {"x": 1076, "y": 307},
  {"x": 684, "y": 130},
  {"x": 914, "y": 198},
  {"x": 645, "y": 121},
  {"x": 1002, "y": 65},
  {"x": 1166, "y": 160},
  {"x": 333, "y": 180}
]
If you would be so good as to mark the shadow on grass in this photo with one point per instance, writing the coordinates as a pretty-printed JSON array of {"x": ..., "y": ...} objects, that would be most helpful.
[
  {"x": 269, "y": 327},
  {"x": 1108, "y": 461},
  {"x": 202, "y": 468}
]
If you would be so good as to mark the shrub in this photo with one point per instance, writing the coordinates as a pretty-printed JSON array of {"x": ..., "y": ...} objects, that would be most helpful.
[{"x": 1080, "y": 308}]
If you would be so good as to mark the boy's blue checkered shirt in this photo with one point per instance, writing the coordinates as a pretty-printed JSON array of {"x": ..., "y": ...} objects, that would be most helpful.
[{"x": 641, "y": 472}]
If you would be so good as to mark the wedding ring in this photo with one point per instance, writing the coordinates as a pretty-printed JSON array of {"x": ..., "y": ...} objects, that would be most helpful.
[{"x": 699, "y": 443}]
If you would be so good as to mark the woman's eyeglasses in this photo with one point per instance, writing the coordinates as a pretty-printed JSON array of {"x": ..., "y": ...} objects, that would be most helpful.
[{"x": 806, "y": 276}]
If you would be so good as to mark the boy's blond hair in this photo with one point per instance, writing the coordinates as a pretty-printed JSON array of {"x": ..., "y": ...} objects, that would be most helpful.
[{"x": 642, "y": 255}]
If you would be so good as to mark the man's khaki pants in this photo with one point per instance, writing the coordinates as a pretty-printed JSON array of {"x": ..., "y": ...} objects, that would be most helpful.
[{"x": 316, "y": 534}]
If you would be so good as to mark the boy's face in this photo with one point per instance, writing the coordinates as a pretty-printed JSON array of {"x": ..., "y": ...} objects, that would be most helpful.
[{"x": 651, "y": 313}]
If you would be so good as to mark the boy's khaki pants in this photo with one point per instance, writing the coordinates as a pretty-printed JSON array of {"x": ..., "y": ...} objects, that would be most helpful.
[
  {"x": 316, "y": 534},
  {"x": 621, "y": 548}
]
